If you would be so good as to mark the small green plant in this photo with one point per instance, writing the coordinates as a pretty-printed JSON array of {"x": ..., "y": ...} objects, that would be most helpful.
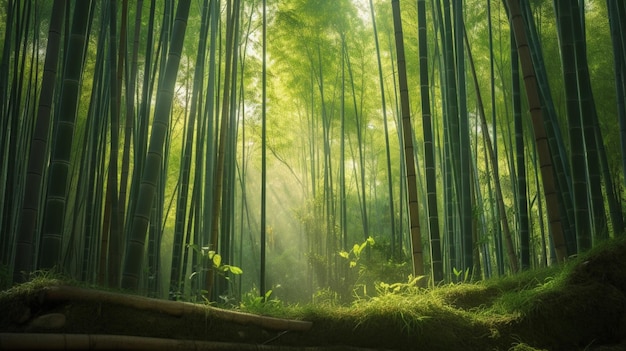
[
  {"x": 458, "y": 273},
  {"x": 210, "y": 261},
  {"x": 216, "y": 261},
  {"x": 355, "y": 254},
  {"x": 254, "y": 299},
  {"x": 411, "y": 286},
  {"x": 356, "y": 284},
  {"x": 327, "y": 297},
  {"x": 253, "y": 302}
]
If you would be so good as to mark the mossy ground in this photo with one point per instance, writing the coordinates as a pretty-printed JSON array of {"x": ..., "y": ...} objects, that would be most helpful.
[{"x": 580, "y": 305}]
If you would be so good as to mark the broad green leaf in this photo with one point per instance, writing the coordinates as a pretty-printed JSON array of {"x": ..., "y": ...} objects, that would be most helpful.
[
  {"x": 363, "y": 246},
  {"x": 235, "y": 270},
  {"x": 217, "y": 259}
]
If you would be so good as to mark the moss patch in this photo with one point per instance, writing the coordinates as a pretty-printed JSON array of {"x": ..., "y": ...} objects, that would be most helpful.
[{"x": 579, "y": 306}]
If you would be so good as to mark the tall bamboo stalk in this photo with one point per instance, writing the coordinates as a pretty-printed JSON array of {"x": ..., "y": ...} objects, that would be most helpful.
[
  {"x": 407, "y": 137},
  {"x": 504, "y": 222},
  {"x": 59, "y": 168},
  {"x": 152, "y": 168},
  {"x": 27, "y": 225},
  {"x": 543, "y": 148}
]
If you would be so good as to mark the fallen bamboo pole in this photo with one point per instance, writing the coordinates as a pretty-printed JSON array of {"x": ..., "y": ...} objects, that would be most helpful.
[
  {"x": 37, "y": 341},
  {"x": 174, "y": 308}
]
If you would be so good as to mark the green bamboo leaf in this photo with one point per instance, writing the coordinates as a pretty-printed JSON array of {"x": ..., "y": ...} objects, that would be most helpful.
[
  {"x": 217, "y": 259},
  {"x": 235, "y": 270},
  {"x": 363, "y": 246}
]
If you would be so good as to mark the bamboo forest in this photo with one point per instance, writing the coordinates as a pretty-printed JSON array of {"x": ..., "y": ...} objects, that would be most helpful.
[{"x": 242, "y": 153}]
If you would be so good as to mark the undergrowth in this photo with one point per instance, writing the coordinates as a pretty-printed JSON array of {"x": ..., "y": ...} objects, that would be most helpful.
[{"x": 572, "y": 306}]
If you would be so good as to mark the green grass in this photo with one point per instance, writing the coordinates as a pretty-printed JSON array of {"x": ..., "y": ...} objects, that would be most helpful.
[{"x": 575, "y": 306}]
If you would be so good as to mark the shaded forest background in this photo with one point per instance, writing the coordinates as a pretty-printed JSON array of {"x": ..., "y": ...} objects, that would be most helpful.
[{"x": 315, "y": 146}]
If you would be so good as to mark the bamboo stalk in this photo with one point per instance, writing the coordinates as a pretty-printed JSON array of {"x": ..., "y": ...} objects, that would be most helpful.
[
  {"x": 41, "y": 341},
  {"x": 174, "y": 308}
]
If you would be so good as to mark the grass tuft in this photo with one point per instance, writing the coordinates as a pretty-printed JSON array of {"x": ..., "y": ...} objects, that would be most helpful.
[{"x": 575, "y": 306}]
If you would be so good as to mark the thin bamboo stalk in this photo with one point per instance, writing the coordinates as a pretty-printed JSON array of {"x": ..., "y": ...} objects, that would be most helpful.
[{"x": 508, "y": 240}]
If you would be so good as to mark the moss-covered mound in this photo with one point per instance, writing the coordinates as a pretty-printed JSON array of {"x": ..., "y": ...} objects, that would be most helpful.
[{"x": 580, "y": 305}]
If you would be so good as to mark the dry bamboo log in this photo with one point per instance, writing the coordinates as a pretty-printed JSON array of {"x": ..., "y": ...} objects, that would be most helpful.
[
  {"x": 37, "y": 341},
  {"x": 174, "y": 308}
]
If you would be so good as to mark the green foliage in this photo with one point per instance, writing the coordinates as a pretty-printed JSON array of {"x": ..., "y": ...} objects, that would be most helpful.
[
  {"x": 215, "y": 260},
  {"x": 253, "y": 302},
  {"x": 376, "y": 275},
  {"x": 523, "y": 347},
  {"x": 253, "y": 298},
  {"x": 581, "y": 304},
  {"x": 326, "y": 297},
  {"x": 354, "y": 255},
  {"x": 361, "y": 271},
  {"x": 209, "y": 261},
  {"x": 465, "y": 275},
  {"x": 306, "y": 55},
  {"x": 410, "y": 287}
]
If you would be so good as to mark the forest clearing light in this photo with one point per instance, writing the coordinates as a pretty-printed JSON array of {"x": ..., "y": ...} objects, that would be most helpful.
[
  {"x": 351, "y": 164},
  {"x": 363, "y": 11}
]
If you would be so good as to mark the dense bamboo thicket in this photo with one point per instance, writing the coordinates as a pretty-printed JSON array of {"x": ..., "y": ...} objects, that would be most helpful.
[{"x": 306, "y": 149}]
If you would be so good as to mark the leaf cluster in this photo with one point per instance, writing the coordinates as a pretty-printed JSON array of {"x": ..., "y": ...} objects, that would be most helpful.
[
  {"x": 215, "y": 259},
  {"x": 355, "y": 253}
]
